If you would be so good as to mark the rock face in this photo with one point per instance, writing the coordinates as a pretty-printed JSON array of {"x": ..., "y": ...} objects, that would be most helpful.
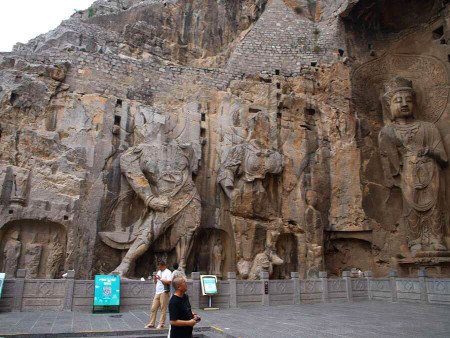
[{"x": 247, "y": 136}]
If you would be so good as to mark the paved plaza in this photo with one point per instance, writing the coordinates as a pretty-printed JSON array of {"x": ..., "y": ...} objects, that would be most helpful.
[{"x": 358, "y": 319}]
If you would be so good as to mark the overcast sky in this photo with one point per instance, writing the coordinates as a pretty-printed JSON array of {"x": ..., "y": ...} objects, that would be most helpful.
[{"x": 22, "y": 20}]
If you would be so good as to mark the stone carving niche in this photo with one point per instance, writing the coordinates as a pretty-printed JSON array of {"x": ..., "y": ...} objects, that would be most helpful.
[
  {"x": 211, "y": 252},
  {"x": 414, "y": 95},
  {"x": 37, "y": 246}
]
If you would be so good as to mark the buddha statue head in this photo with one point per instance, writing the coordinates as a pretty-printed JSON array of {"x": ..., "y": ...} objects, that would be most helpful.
[{"x": 399, "y": 99}]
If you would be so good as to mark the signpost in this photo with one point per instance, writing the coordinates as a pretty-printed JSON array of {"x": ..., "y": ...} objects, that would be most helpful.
[
  {"x": 209, "y": 288},
  {"x": 2, "y": 280},
  {"x": 107, "y": 293}
]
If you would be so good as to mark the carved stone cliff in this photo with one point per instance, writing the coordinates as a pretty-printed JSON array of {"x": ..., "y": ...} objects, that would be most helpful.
[{"x": 247, "y": 136}]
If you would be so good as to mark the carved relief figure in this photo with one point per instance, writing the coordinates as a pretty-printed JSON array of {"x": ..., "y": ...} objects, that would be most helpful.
[
  {"x": 217, "y": 258},
  {"x": 160, "y": 173},
  {"x": 11, "y": 254},
  {"x": 260, "y": 263},
  {"x": 412, "y": 156},
  {"x": 55, "y": 257},
  {"x": 245, "y": 167},
  {"x": 19, "y": 185},
  {"x": 314, "y": 260},
  {"x": 272, "y": 235},
  {"x": 33, "y": 253},
  {"x": 314, "y": 235},
  {"x": 241, "y": 176},
  {"x": 286, "y": 251}
]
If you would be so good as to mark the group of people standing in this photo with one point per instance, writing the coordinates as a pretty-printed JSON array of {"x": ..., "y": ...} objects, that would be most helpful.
[{"x": 170, "y": 292}]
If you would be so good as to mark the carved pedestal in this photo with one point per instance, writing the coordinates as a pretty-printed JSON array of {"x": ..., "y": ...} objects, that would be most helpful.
[{"x": 436, "y": 263}]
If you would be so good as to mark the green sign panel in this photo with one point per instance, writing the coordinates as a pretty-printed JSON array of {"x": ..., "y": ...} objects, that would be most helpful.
[
  {"x": 2, "y": 281},
  {"x": 209, "y": 285},
  {"x": 107, "y": 290}
]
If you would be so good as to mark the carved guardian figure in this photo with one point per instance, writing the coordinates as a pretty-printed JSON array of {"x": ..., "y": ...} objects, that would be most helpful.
[
  {"x": 160, "y": 173},
  {"x": 241, "y": 175}
]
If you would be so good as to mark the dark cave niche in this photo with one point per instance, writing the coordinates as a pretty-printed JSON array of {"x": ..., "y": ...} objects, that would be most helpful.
[{"x": 390, "y": 17}]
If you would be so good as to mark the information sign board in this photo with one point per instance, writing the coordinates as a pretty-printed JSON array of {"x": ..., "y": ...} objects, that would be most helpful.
[
  {"x": 107, "y": 290},
  {"x": 2, "y": 281},
  {"x": 209, "y": 285}
]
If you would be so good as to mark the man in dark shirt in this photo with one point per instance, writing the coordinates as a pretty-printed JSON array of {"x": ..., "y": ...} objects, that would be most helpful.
[{"x": 182, "y": 319}]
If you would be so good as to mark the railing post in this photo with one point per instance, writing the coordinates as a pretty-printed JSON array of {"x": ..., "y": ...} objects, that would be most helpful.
[
  {"x": 196, "y": 290},
  {"x": 296, "y": 287},
  {"x": 423, "y": 285},
  {"x": 19, "y": 285},
  {"x": 368, "y": 275},
  {"x": 70, "y": 284},
  {"x": 346, "y": 275},
  {"x": 393, "y": 284},
  {"x": 264, "y": 276},
  {"x": 233, "y": 289},
  {"x": 323, "y": 276}
]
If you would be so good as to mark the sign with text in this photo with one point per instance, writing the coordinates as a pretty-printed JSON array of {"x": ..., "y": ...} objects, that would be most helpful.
[
  {"x": 107, "y": 290},
  {"x": 209, "y": 285},
  {"x": 2, "y": 281}
]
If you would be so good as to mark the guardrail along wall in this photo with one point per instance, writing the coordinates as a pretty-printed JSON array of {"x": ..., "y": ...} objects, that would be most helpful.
[{"x": 68, "y": 294}]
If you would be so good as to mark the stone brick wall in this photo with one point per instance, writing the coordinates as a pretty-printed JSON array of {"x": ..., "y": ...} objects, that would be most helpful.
[
  {"x": 77, "y": 295},
  {"x": 115, "y": 74},
  {"x": 282, "y": 40}
]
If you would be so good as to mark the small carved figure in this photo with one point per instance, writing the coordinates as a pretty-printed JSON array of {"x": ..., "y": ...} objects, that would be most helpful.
[
  {"x": 33, "y": 252},
  {"x": 285, "y": 251},
  {"x": 11, "y": 254},
  {"x": 55, "y": 257},
  {"x": 412, "y": 156},
  {"x": 271, "y": 239},
  {"x": 260, "y": 263},
  {"x": 313, "y": 219},
  {"x": 314, "y": 235},
  {"x": 314, "y": 260},
  {"x": 19, "y": 185},
  {"x": 217, "y": 258},
  {"x": 264, "y": 261}
]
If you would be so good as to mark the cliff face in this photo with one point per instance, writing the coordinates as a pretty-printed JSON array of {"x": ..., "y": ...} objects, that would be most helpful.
[
  {"x": 186, "y": 32},
  {"x": 272, "y": 109}
]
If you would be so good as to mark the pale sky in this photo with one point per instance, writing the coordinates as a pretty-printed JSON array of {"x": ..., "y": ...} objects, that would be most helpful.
[{"x": 22, "y": 20}]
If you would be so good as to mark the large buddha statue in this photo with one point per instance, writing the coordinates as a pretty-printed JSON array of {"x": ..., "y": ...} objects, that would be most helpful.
[{"x": 413, "y": 156}]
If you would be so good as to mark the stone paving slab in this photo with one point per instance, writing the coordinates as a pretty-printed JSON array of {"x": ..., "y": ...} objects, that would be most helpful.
[
  {"x": 22, "y": 323},
  {"x": 357, "y": 319}
]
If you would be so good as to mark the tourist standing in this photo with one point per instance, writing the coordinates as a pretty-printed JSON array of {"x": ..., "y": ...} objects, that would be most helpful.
[
  {"x": 182, "y": 319},
  {"x": 162, "y": 279},
  {"x": 177, "y": 272}
]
